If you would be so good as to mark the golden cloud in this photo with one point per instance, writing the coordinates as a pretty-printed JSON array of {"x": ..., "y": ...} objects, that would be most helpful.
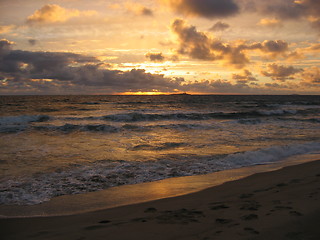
[
  {"x": 53, "y": 13},
  {"x": 6, "y": 28},
  {"x": 138, "y": 9},
  {"x": 270, "y": 22}
]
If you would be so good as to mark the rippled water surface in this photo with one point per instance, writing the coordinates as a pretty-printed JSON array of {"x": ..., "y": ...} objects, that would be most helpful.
[{"x": 57, "y": 145}]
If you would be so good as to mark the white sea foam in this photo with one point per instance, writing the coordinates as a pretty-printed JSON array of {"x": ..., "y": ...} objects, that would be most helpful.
[{"x": 105, "y": 174}]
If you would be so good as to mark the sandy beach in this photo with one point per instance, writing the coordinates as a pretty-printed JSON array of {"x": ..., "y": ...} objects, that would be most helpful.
[{"x": 282, "y": 204}]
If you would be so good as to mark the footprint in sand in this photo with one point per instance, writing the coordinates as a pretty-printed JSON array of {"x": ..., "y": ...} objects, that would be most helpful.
[
  {"x": 181, "y": 216},
  {"x": 281, "y": 185},
  {"x": 219, "y": 206},
  {"x": 296, "y": 213},
  {"x": 250, "y": 217},
  {"x": 251, "y": 230},
  {"x": 139, "y": 220},
  {"x": 251, "y": 206},
  {"x": 150, "y": 210},
  {"x": 105, "y": 221},
  {"x": 246, "y": 195},
  {"x": 223, "y": 221},
  {"x": 94, "y": 227}
]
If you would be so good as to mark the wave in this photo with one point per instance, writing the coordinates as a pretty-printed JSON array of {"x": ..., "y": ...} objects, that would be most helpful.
[
  {"x": 68, "y": 128},
  {"x": 23, "y": 119},
  {"x": 105, "y": 174},
  {"x": 137, "y": 116},
  {"x": 9, "y": 124}
]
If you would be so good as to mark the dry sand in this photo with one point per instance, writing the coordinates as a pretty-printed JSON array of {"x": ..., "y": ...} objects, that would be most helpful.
[{"x": 282, "y": 204}]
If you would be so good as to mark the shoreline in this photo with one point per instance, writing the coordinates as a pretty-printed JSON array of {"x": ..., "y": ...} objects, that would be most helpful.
[
  {"x": 278, "y": 204},
  {"x": 144, "y": 192}
]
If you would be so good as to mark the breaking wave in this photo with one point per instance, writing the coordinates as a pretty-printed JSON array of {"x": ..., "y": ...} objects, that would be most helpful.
[
  {"x": 106, "y": 174},
  {"x": 10, "y": 124}
]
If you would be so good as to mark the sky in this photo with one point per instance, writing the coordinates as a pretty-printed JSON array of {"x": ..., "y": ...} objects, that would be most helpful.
[{"x": 159, "y": 46}]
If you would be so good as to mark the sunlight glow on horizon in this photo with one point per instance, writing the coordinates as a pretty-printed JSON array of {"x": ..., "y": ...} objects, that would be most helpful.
[{"x": 124, "y": 46}]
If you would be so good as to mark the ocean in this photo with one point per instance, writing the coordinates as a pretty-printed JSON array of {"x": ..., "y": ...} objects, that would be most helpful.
[{"x": 61, "y": 145}]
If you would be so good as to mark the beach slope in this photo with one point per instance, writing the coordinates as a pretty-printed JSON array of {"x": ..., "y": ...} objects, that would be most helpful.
[{"x": 282, "y": 204}]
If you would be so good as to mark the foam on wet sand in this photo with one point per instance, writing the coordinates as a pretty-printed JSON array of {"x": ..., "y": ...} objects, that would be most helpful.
[{"x": 282, "y": 204}]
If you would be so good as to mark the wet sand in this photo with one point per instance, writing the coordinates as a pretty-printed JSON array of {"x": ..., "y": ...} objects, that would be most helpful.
[{"x": 282, "y": 204}]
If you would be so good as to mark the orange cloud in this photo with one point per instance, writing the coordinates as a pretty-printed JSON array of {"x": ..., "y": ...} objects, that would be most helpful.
[
  {"x": 52, "y": 13},
  {"x": 270, "y": 22},
  {"x": 138, "y": 9},
  {"x": 6, "y": 28}
]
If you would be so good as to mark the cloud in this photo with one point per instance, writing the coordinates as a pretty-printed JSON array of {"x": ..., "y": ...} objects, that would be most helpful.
[
  {"x": 5, "y": 47},
  {"x": 219, "y": 86},
  {"x": 311, "y": 75},
  {"x": 315, "y": 22},
  {"x": 138, "y": 9},
  {"x": 32, "y": 42},
  {"x": 203, "y": 46},
  {"x": 66, "y": 71},
  {"x": 23, "y": 72},
  {"x": 155, "y": 57},
  {"x": 200, "y": 45},
  {"x": 290, "y": 10},
  {"x": 53, "y": 13},
  {"x": 274, "y": 47},
  {"x": 270, "y": 22},
  {"x": 6, "y": 28},
  {"x": 192, "y": 42},
  {"x": 219, "y": 26},
  {"x": 204, "y": 8},
  {"x": 283, "y": 9},
  {"x": 244, "y": 77},
  {"x": 279, "y": 72},
  {"x": 309, "y": 7}
]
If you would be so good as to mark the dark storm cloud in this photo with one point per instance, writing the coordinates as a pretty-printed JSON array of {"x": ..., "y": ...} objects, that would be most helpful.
[
  {"x": 51, "y": 69},
  {"x": 204, "y": 8},
  {"x": 155, "y": 57},
  {"x": 279, "y": 72},
  {"x": 201, "y": 45},
  {"x": 219, "y": 26}
]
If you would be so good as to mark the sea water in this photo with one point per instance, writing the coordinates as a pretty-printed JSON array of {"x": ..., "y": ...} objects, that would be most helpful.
[{"x": 61, "y": 145}]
